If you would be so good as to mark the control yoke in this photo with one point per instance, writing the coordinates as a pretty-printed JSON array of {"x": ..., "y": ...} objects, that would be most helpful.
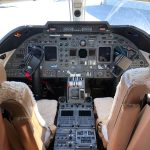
[{"x": 32, "y": 60}]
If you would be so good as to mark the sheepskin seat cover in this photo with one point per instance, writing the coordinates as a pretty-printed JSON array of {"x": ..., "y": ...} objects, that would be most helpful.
[{"x": 21, "y": 93}]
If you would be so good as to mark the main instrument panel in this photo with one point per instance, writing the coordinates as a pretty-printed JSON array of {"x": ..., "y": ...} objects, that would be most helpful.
[{"x": 88, "y": 54}]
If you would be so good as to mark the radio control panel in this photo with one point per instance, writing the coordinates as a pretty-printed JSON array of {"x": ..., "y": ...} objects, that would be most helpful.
[{"x": 75, "y": 127}]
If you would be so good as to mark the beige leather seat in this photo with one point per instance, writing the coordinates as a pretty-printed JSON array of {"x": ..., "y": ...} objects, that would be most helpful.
[
  {"x": 2, "y": 73},
  {"x": 141, "y": 136},
  {"x": 117, "y": 124},
  {"x": 3, "y": 136},
  {"x": 17, "y": 98}
]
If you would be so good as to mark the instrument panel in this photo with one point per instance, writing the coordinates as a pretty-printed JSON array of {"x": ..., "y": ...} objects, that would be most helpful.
[{"x": 90, "y": 55}]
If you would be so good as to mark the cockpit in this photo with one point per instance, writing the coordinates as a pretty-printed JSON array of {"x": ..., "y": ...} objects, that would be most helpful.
[
  {"x": 89, "y": 81},
  {"x": 74, "y": 59}
]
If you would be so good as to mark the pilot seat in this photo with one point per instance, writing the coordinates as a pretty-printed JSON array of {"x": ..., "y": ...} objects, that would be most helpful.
[
  {"x": 117, "y": 118},
  {"x": 29, "y": 123}
]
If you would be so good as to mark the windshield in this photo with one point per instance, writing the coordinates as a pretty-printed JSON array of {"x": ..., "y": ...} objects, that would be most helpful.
[{"x": 16, "y": 13}]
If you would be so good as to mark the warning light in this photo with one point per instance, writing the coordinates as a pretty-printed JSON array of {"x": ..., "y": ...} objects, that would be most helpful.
[
  {"x": 18, "y": 34},
  {"x": 28, "y": 76}
]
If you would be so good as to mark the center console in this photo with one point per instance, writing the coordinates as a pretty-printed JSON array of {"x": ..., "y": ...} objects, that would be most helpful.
[
  {"x": 75, "y": 123},
  {"x": 75, "y": 127}
]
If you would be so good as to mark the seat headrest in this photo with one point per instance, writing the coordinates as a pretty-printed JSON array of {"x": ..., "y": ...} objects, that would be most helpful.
[
  {"x": 2, "y": 73},
  {"x": 21, "y": 93},
  {"x": 136, "y": 77}
]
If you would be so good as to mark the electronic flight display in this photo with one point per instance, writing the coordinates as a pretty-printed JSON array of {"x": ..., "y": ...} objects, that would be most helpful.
[
  {"x": 104, "y": 54},
  {"x": 50, "y": 53},
  {"x": 67, "y": 113}
]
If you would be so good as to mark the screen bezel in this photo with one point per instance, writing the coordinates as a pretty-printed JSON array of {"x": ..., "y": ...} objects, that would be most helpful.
[
  {"x": 110, "y": 54},
  {"x": 56, "y": 53},
  {"x": 83, "y": 111},
  {"x": 69, "y": 111}
]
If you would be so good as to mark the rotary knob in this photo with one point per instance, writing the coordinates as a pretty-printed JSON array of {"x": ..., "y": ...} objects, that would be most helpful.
[
  {"x": 70, "y": 137},
  {"x": 70, "y": 144},
  {"x": 70, "y": 131},
  {"x": 82, "y": 43}
]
